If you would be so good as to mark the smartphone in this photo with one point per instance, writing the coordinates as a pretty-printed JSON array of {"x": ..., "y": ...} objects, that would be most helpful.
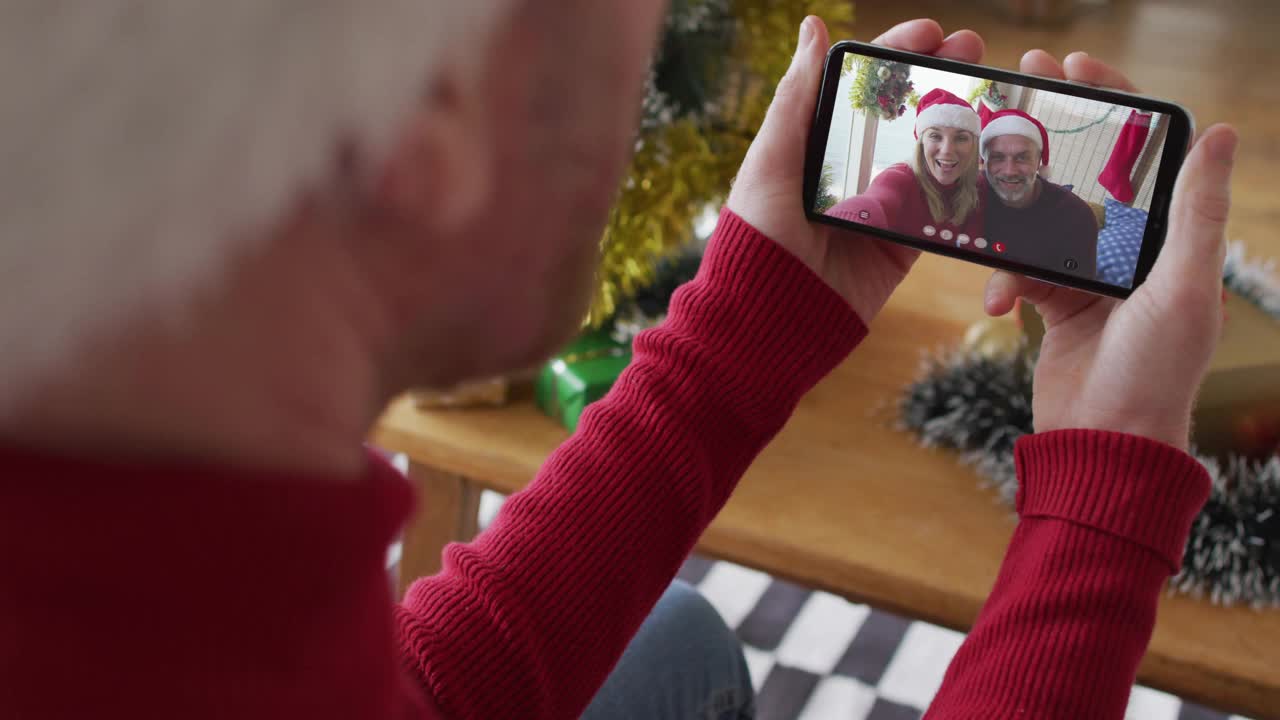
[{"x": 1056, "y": 180}]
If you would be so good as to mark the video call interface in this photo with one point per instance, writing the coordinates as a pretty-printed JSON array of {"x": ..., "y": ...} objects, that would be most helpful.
[{"x": 1031, "y": 176}]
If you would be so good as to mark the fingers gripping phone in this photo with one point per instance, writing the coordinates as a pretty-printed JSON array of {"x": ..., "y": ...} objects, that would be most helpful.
[{"x": 1055, "y": 180}]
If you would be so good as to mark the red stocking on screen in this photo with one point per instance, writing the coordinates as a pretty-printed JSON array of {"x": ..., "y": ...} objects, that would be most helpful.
[{"x": 1116, "y": 175}]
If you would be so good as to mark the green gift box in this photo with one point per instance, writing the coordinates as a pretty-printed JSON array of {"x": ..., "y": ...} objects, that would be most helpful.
[{"x": 581, "y": 374}]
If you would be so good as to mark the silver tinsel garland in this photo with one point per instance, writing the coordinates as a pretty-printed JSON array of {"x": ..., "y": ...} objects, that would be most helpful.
[
  {"x": 979, "y": 406},
  {"x": 1256, "y": 281}
]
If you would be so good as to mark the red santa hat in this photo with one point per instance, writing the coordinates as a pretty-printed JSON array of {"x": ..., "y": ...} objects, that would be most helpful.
[
  {"x": 1017, "y": 122},
  {"x": 939, "y": 108}
]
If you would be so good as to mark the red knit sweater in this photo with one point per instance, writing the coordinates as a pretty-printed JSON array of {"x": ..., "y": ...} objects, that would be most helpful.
[{"x": 149, "y": 591}]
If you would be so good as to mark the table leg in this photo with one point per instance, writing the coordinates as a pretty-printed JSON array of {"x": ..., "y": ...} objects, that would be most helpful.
[{"x": 448, "y": 511}]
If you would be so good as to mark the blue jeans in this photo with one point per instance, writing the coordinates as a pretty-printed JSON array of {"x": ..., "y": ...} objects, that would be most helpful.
[{"x": 683, "y": 664}]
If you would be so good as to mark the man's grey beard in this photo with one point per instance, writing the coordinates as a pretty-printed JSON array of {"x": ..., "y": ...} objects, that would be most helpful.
[{"x": 1011, "y": 198}]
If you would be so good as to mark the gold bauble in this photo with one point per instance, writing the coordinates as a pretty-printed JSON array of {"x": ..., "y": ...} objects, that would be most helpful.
[
  {"x": 994, "y": 338},
  {"x": 491, "y": 392}
]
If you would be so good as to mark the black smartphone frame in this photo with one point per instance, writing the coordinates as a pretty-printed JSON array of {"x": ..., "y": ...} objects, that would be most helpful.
[{"x": 1177, "y": 142}]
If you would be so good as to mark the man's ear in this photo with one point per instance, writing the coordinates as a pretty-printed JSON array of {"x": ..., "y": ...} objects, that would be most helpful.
[{"x": 440, "y": 169}]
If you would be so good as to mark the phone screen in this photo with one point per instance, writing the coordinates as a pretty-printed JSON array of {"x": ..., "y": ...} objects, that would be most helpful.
[{"x": 994, "y": 169}]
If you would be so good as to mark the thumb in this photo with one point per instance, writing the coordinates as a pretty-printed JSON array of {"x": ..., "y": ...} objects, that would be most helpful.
[
  {"x": 1195, "y": 248},
  {"x": 1054, "y": 302},
  {"x": 784, "y": 135}
]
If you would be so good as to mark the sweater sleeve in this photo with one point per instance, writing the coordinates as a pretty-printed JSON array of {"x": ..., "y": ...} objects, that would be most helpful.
[
  {"x": 1104, "y": 520},
  {"x": 528, "y": 620},
  {"x": 892, "y": 186},
  {"x": 881, "y": 204}
]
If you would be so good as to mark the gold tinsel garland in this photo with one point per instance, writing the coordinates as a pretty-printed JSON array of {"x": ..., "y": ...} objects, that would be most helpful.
[{"x": 682, "y": 168}]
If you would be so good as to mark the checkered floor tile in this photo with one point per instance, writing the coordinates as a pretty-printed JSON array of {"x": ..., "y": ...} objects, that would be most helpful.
[{"x": 816, "y": 656}]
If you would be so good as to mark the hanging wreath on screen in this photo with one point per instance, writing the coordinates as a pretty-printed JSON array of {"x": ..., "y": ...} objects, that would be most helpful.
[
  {"x": 882, "y": 87},
  {"x": 991, "y": 96}
]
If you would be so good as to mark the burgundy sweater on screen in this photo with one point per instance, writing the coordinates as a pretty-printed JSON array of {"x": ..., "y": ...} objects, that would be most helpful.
[
  {"x": 895, "y": 201},
  {"x": 165, "y": 591}
]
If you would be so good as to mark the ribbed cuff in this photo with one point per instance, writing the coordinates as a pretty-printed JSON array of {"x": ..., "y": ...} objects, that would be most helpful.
[
  {"x": 1130, "y": 486},
  {"x": 754, "y": 297}
]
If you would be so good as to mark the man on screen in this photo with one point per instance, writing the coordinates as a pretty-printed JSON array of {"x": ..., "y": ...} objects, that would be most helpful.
[{"x": 1028, "y": 218}]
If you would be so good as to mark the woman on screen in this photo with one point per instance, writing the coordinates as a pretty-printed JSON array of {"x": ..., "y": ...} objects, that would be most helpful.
[{"x": 936, "y": 196}]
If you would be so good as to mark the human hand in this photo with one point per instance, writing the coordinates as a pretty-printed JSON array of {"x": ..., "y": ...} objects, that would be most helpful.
[
  {"x": 1134, "y": 366},
  {"x": 767, "y": 193}
]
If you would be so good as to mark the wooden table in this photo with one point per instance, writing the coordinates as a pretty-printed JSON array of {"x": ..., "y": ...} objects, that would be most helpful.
[{"x": 843, "y": 502}]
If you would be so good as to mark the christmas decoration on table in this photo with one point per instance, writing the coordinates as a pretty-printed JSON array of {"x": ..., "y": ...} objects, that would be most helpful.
[
  {"x": 994, "y": 337},
  {"x": 1233, "y": 555},
  {"x": 581, "y": 374},
  {"x": 588, "y": 368},
  {"x": 490, "y": 392},
  {"x": 976, "y": 400},
  {"x": 975, "y": 404},
  {"x": 1238, "y": 408},
  {"x": 708, "y": 90},
  {"x": 882, "y": 87},
  {"x": 1256, "y": 281}
]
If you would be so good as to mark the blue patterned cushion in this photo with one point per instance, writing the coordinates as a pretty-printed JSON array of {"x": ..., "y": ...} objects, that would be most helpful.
[{"x": 1120, "y": 243}]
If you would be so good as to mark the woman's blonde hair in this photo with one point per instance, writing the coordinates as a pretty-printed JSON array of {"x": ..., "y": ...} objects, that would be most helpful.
[{"x": 966, "y": 198}]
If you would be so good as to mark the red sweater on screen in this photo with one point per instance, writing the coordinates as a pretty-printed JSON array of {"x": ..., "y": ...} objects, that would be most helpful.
[
  {"x": 163, "y": 591},
  {"x": 895, "y": 201}
]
